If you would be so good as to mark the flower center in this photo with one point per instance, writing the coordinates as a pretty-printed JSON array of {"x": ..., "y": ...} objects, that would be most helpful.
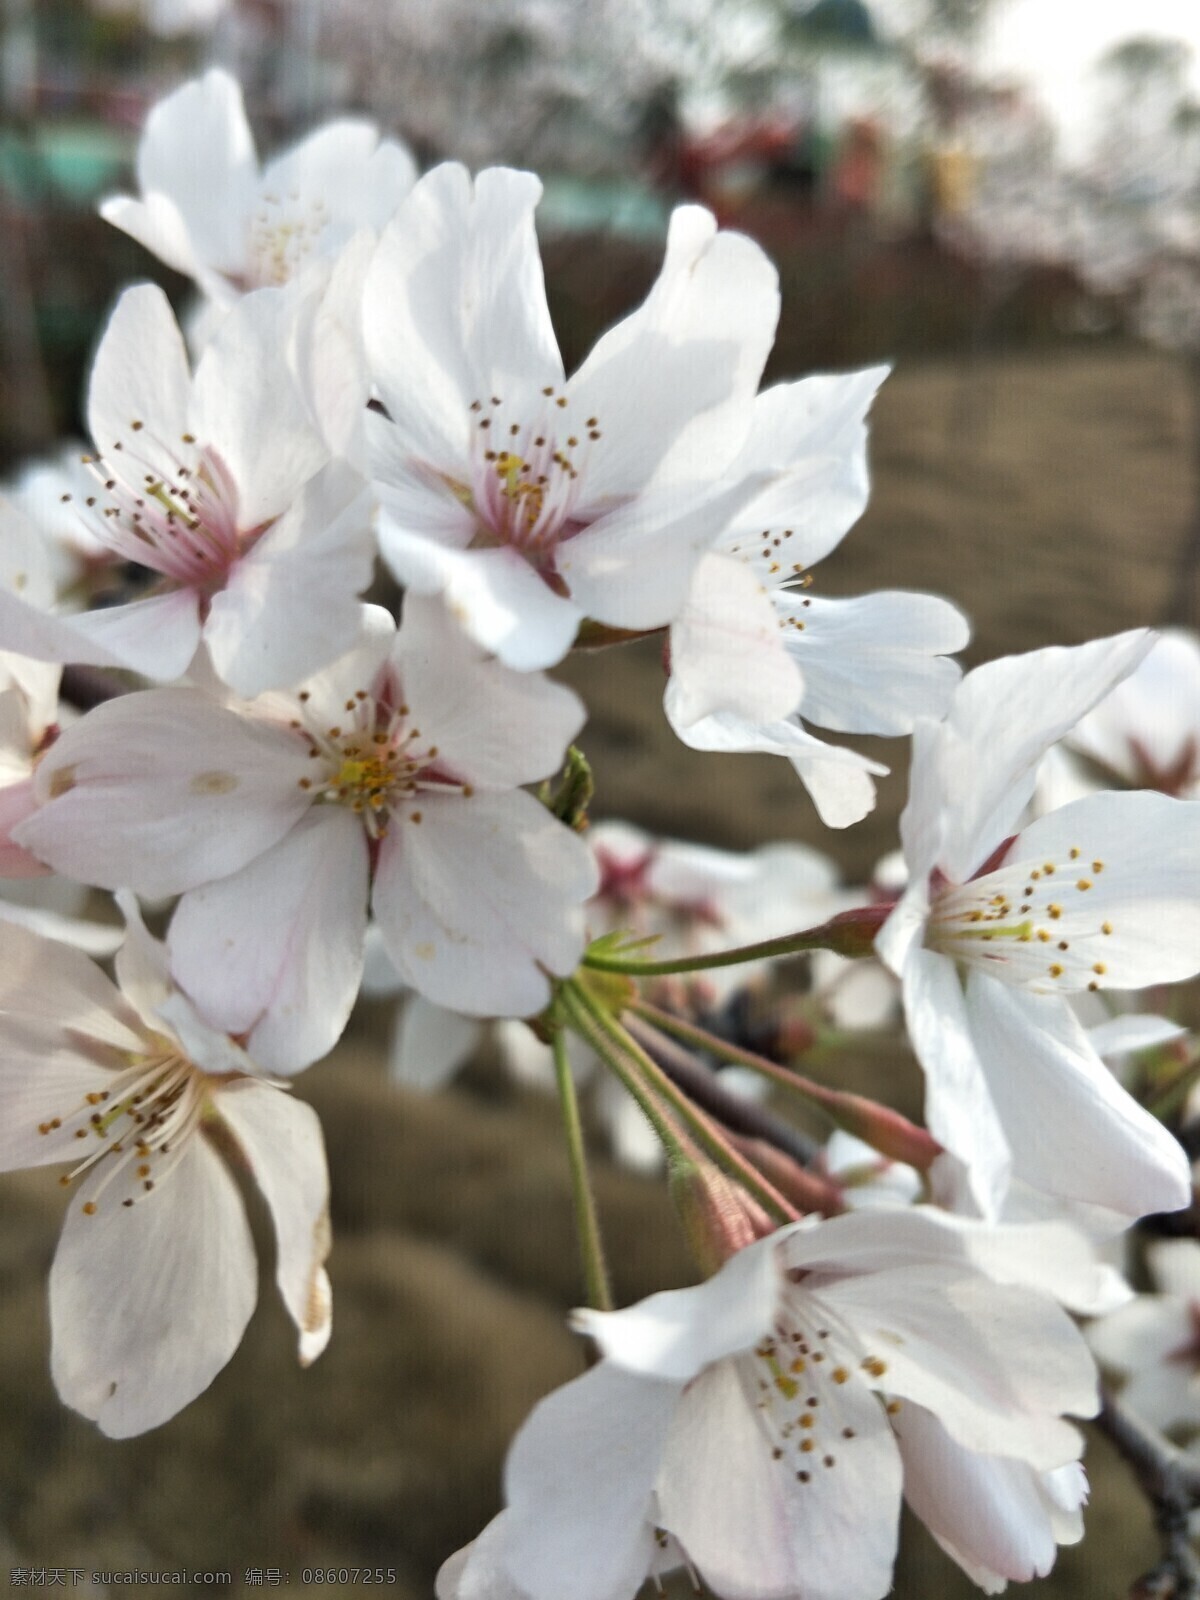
[
  {"x": 167, "y": 505},
  {"x": 283, "y": 234},
  {"x": 527, "y": 463},
  {"x": 801, "y": 1383},
  {"x": 141, "y": 1122},
  {"x": 374, "y": 761},
  {"x": 1026, "y": 923}
]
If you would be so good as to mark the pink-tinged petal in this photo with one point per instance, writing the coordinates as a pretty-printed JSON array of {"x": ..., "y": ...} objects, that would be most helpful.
[
  {"x": 156, "y": 636},
  {"x": 1144, "y": 1334},
  {"x": 1004, "y": 717},
  {"x": 877, "y": 663},
  {"x": 416, "y": 502},
  {"x": 162, "y": 790},
  {"x": 282, "y": 1142},
  {"x": 689, "y": 359},
  {"x": 481, "y": 899},
  {"x": 730, "y": 1493},
  {"x": 587, "y": 1534},
  {"x": 329, "y": 689},
  {"x": 148, "y": 1302},
  {"x": 275, "y": 952},
  {"x": 248, "y": 407},
  {"x": 996, "y": 1363},
  {"x": 986, "y": 1512},
  {"x": 1072, "y": 1129},
  {"x": 97, "y": 939},
  {"x": 140, "y": 385},
  {"x": 633, "y": 568},
  {"x": 727, "y": 653},
  {"x": 815, "y": 430},
  {"x": 454, "y": 306},
  {"x": 62, "y": 1024},
  {"x": 290, "y": 606},
  {"x": 429, "y": 1044},
  {"x": 197, "y": 149},
  {"x": 495, "y": 595},
  {"x": 676, "y": 1333},
  {"x": 1152, "y": 714},
  {"x": 959, "y": 1108},
  {"x": 1126, "y": 884},
  {"x": 17, "y": 803},
  {"x": 492, "y": 726}
]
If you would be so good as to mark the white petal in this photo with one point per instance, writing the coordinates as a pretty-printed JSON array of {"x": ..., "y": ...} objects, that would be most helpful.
[
  {"x": 837, "y": 779},
  {"x": 751, "y": 1527},
  {"x": 140, "y": 376},
  {"x": 1175, "y": 1266},
  {"x": 290, "y": 606},
  {"x": 163, "y": 789},
  {"x": 1072, "y": 1129},
  {"x": 477, "y": 1571},
  {"x": 276, "y": 950},
  {"x": 996, "y": 1363},
  {"x": 248, "y": 407},
  {"x": 985, "y": 1511},
  {"x": 148, "y": 1302},
  {"x": 197, "y": 149},
  {"x": 633, "y": 567},
  {"x": 816, "y": 431},
  {"x": 875, "y": 664},
  {"x": 481, "y": 899},
  {"x": 281, "y": 1140},
  {"x": 141, "y": 967},
  {"x": 727, "y": 653},
  {"x": 1136, "y": 870},
  {"x": 430, "y": 1044},
  {"x": 675, "y": 1333},
  {"x": 492, "y": 726},
  {"x": 958, "y": 1106},
  {"x": 1126, "y": 1035},
  {"x": 1005, "y": 715},
  {"x": 454, "y": 307},
  {"x": 586, "y": 1534},
  {"x": 156, "y": 636},
  {"x": 671, "y": 384},
  {"x": 495, "y": 595}
]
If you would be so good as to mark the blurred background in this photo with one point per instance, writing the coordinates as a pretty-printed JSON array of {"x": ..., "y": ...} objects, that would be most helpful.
[{"x": 998, "y": 196}]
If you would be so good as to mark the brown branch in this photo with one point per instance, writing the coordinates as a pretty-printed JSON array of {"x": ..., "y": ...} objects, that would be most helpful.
[{"x": 1171, "y": 1483}]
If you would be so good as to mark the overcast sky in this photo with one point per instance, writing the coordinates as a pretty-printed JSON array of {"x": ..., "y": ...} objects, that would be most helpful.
[{"x": 1057, "y": 43}]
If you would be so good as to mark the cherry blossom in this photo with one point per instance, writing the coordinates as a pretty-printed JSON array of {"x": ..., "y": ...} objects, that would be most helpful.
[
  {"x": 209, "y": 211},
  {"x": 1154, "y": 1340},
  {"x": 997, "y": 930},
  {"x": 154, "y": 1279},
  {"x": 755, "y": 656},
  {"x": 391, "y": 778},
  {"x": 534, "y": 501},
  {"x": 766, "y": 1424},
  {"x": 220, "y": 486}
]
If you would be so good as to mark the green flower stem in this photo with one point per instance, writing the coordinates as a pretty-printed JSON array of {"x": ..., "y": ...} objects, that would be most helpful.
[
  {"x": 630, "y": 1062},
  {"x": 587, "y": 1222},
  {"x": 851, "y": 933},
  {"x": 882, "y": 1128}
]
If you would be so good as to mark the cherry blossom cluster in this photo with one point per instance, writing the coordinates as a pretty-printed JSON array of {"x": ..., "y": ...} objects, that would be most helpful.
[{"x": 313, "y": 799}]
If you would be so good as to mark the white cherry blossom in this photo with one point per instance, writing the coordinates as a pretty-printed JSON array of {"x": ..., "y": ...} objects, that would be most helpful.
[
  {"x": 765, "y": 1425},
  {"x": 209, "y": 211},
  {"x": 390, "y": 779},
  {"x": 154, "y": 1279},
  {"x": 1146, "y": 733},
  {"x": 531, "y": 500},
  {"x": 998, "y": 929},
  {"x": 221, "y": 486},
  {"x": 755, "y": 656}
]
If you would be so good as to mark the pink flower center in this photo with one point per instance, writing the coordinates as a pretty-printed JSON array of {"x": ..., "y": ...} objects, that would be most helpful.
[{"x": 373, "y": 760}]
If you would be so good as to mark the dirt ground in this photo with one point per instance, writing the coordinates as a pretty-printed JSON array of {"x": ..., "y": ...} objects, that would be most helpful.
[{"x": 1055, "y": 521}]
